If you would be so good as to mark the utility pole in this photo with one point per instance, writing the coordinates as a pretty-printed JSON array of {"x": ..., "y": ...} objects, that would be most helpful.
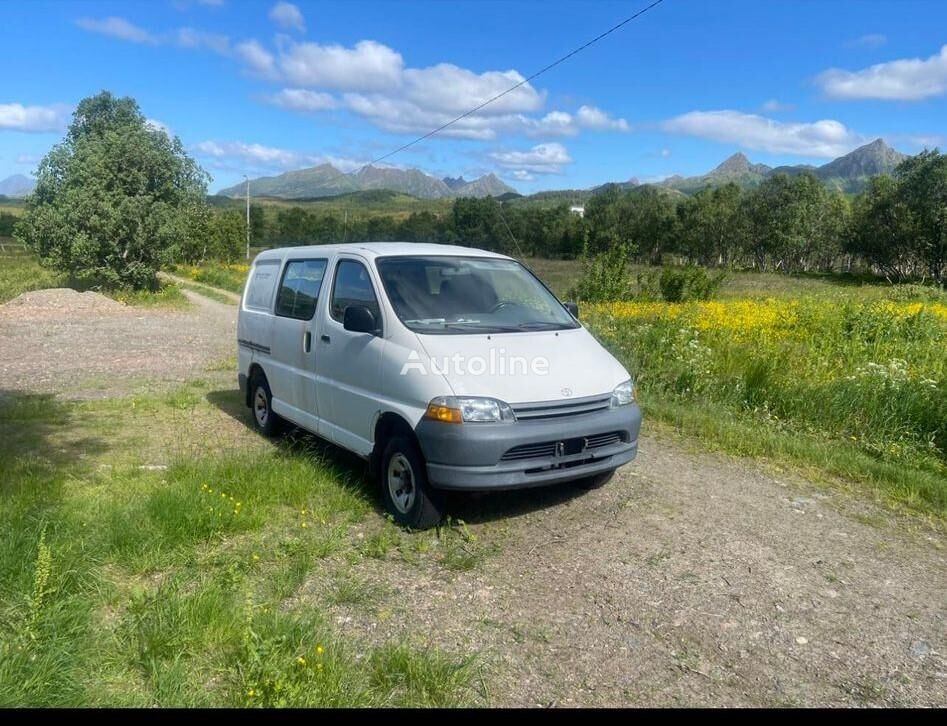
[{"x": 248, "y": 215}]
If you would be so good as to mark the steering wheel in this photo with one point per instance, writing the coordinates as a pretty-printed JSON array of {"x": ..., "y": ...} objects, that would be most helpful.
[{"x": 502, "y": 305}]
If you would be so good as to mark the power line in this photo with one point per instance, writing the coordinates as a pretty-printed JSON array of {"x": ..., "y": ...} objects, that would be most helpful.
[{"x": 538, "y": 73}]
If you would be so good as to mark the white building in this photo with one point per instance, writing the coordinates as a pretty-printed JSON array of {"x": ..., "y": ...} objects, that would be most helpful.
[{"x": 577, "y": 210}]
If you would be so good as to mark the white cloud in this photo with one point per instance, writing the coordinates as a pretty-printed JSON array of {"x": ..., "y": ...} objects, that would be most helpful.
[
  {"x": 871, "y": 40},
  {"x": 239, "y": 155},
  {"x": 541, "y": 159},
  {"x": 256, "y": 57},
  {"x": 448, "y": 88},
  {"x": 252, "y": 154},
  {"x": 17, "y": 117},
  {"x": 28, "y": 159},
  {"x": 288, "y": 17},
  {"x": 590, "y": 117},
  {"x": 775, "y": 106},
  {"x": 118, "y": 28},
  {"x": 522, "y": 175},
  {"x": 369, "y": 66},
  {"x": 302, "y": 99},
  {"x": 910, "y": 79},
  {"x": 826, "y": 138},
  {"x": 665, "y": 153},
  {"x": 190, "y": 38}
]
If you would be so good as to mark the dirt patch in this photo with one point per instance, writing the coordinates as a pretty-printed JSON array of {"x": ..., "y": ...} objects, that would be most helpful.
[
  {"x": 689, "y": 580},
  {"x": 85, "y": 345},
  {"x": 44, "y": 305}
]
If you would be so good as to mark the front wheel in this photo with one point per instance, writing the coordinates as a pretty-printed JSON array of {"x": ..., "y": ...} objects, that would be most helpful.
[
  {"x": 596, "y": 481},
  {"x": 404, "y": 485}
]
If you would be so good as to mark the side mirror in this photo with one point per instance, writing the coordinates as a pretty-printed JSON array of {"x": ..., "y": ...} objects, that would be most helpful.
[
  {"x": 359, "y": 319},
  {"x": 573, "y": 309}
]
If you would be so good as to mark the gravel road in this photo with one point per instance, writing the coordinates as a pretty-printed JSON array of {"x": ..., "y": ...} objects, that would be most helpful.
[
  {"x": 85, "y": 345},
  {"x": 691, "y": 579}
]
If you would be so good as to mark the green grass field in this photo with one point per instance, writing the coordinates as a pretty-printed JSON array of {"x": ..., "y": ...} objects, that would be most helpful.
[{"x": 152, "y": 556}]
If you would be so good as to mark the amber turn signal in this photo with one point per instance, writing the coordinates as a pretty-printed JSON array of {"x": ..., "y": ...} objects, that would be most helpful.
[{"x": 445, "y": 414}]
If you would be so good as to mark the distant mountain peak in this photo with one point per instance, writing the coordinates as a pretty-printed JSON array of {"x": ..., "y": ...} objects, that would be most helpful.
[
  {"x": 327, "y": 181},
  {"x": 16, "y": 186},
  {"x": 737, "y": 165},
  {"x": 454, "y": 182}
]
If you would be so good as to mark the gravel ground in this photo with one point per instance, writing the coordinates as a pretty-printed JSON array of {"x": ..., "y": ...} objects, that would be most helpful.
[
  {"x": 85, "y": 345},
  {"x": 691, "y": 579}
]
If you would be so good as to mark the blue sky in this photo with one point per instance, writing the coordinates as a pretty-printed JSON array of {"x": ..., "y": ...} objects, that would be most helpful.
[{"x": 264, "y": 87}]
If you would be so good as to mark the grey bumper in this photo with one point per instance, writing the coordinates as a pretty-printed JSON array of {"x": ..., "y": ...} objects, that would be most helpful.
[{"x": 471, "y": 456}]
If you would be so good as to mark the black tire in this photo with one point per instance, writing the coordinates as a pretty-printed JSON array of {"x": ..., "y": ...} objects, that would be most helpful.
[
  {"x": 261, "y": 407},
  {"x": 596, "y": 481},
  {"x": 417, "y": 507}
]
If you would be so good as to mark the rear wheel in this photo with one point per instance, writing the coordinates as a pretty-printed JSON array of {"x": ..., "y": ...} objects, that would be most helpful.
[
  {"x": 596, "y": 481},
  {"x": 261, "y": 407},
  {"x": 404, "y": 486}
]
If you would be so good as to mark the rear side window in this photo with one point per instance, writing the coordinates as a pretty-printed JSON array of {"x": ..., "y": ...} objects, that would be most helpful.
[
  {"x": 262, "y": 284},
  {"x": 353, "y": 286},
  {"x": 299, "y": 290}
]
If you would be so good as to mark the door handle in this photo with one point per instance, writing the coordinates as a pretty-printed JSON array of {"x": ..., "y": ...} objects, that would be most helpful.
[
  {"x": 326, "y": 339},
  {"x": 307, "y": 342}
]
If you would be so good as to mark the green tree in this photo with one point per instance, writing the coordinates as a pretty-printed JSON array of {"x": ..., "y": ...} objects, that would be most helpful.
[
  {"x": 922, "y": 189},
  {"x": 115, "y": 199},
  {"x": 711, "y": 225}
]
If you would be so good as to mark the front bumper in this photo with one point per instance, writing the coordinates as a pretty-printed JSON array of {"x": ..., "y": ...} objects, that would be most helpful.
[{"x": 470, "y": 456}]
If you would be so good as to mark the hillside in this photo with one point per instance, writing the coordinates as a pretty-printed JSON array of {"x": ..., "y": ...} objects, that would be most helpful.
[
  {"x": 848, "y": 173},
  {"x": 16, "y": 186},
  {"x": 327, "y": 181}
]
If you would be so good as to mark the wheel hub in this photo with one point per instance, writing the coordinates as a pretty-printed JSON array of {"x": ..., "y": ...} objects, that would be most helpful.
[
  {"x": 260, "y": 407},
  {"x": 401, "y": 486}
]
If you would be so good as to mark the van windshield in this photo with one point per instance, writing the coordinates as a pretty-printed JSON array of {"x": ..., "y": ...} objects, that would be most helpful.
[{"x": 450, "y": 295}]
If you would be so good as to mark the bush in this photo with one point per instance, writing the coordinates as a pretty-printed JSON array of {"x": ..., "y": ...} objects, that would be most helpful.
[
  {"x": 604, "y": 276},
  {"x": 684, "y": 284}
]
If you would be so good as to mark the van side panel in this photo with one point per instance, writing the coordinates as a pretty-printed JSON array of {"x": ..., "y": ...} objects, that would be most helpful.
[{"x": 254, "y": 332}]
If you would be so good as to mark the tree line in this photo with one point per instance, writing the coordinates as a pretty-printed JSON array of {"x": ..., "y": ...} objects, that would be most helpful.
[{"x": 897, "y": 227}]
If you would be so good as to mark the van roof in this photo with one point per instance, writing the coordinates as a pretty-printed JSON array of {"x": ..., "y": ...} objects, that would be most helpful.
[{"x": 378, "y": 249}]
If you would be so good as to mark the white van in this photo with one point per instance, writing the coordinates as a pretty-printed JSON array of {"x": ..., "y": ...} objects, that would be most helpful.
[{"x": 445, "y": 367}]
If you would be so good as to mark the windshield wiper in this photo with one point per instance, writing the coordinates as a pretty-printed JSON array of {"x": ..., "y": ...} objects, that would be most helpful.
[
  {"x": 542, "y": 325},
  {"x": 467, "y": 325}
]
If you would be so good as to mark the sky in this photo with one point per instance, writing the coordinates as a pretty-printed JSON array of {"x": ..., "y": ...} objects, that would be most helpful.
[{"x": 260, "y": 88}]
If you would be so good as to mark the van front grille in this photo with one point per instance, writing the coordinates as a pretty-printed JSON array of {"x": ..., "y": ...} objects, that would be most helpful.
[
  {"x": 576, "y": 445},
  {"x": 558, "y": 409}
]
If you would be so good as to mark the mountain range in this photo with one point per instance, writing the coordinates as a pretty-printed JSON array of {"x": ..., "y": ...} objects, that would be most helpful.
[
  {"x": 327, "y": 181},
  {"x": 16, "y": 186},
  {"x": 848, "y": 173}
]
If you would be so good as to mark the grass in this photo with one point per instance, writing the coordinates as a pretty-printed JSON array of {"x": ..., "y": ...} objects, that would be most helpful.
[
  {"x": 849, "y": 384},
  {"x": 21, "y": 273},
  {"x": 152, "y": 556},
  {"x": 210, "y": 292},
  {"x": 228, "y": 277}
]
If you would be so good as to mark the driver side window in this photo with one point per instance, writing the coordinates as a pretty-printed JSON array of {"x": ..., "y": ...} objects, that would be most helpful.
[{"x": 352, "y": 286}]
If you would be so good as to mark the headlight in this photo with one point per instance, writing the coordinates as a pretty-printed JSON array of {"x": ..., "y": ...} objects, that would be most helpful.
[
  {"x": 623, "y": 394},
  {"x": 461, "y": 409}
]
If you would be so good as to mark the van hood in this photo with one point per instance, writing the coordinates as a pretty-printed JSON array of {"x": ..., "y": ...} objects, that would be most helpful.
[{"x": 524, "y": 367}]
